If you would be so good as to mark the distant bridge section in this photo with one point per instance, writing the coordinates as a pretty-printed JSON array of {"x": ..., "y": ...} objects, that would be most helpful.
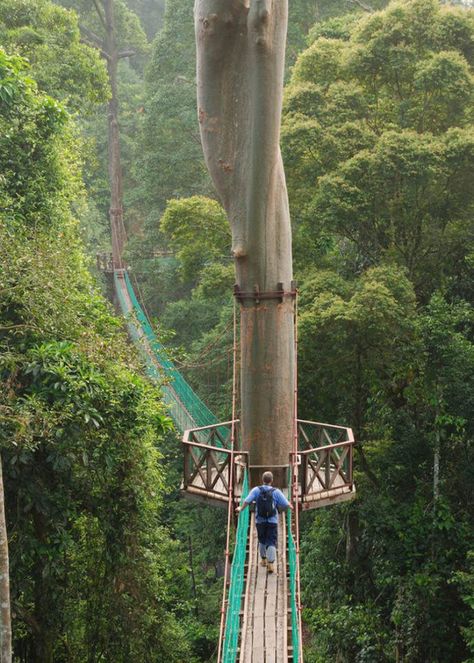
[{"x": 183, "y": 404}]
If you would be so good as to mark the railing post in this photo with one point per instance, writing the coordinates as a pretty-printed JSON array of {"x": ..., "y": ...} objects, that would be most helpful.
[
  {"x": 304, "y": 474},
  {"x": 208, "y": 470},
  {"x": 351, "y": 451},
  {"x": 327, "y": 473},
  {"x": 186, "y": 461}
]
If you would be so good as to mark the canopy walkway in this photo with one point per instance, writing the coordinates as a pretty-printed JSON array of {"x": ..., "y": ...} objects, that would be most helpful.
[{"x": 261, "y": 612}]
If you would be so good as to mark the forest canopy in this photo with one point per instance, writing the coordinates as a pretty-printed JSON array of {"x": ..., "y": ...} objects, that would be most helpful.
[{"x": 107, "y": 563}]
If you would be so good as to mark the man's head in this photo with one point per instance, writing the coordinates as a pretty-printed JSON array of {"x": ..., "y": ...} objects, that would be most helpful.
[{"x": 267, "y": 478}]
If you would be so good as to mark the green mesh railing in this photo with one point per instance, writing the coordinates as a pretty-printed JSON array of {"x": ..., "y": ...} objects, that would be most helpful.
[
  {"x": 292, "y": 563},
  {"x": 237, "y": 579},
  {"x": 184, "y": 405}
]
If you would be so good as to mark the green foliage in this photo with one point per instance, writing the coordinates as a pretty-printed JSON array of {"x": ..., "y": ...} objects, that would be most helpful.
[
  {"x": 378, "y": 116},
  {"x": 169, "y": 161},
  {"x": 354, "y": 336},
  {"x": 332, "y": 15},
  {"x": 49, "y": 37},
  {"x": 185, "y": 219},
  {"x": 129, "y": 31},
  {"x": 150, "y": 13},
  {"x": 83, "y": 472},
  {"x": 465, "y": 579},
  {"x": 397, "y": 200},
  {"x": 377, "y": 143},
  {"x": 352, "y": 633},
  {"x": 93, "y": 572}
]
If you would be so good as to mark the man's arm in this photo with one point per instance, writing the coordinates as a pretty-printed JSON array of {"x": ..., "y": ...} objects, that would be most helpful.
[
  {"x": 248, "y": 500},
  {"x": 283, "y": 503}
]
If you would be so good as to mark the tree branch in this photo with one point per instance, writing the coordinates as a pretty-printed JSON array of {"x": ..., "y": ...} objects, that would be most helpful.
[
  {"x": 362, "y": 5},
  {"x": 20, "y": 326},
  {"x": 105, "y": 55},
  {"x": 128, "y": 53},
  {"x": 97, "y": 41},
  {"x": 365, "y": 466},
  {"x": 99, "y": 12}
]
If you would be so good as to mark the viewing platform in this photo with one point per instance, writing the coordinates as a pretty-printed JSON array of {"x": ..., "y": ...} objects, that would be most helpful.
[{"x": 324, "y": 460}]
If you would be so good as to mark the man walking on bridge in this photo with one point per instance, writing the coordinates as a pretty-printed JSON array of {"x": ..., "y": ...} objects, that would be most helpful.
[{"x": 268, "y": 501}]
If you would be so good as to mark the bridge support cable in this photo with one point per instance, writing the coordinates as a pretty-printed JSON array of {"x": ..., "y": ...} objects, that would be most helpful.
[
  {"x": 294, "y": 594},
  {"x": 294, "y": 534},
  {"x": 229, "y": 631}
]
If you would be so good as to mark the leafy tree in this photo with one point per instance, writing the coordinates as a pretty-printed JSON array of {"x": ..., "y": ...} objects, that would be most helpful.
[
  {"x": 49, "y": 37},
  {"x": 377, "y": 144},
  {"x": 405, "y": 199},
  {"x": 150, "y": 13},
  {"x": 183, "y": 220},
  {"x": 466, "y": 581},
  {"x": 91, "y": 564},
  {"x": 378, "y": 117},
  {"x": 172, "y": 164}
]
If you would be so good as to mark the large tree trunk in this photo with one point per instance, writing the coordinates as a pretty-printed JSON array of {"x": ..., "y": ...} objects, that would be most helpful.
[
  {"x": 115, "y": 167},
  {"x": 5, "y": 624},
  {"x": 241, "y": 48}
]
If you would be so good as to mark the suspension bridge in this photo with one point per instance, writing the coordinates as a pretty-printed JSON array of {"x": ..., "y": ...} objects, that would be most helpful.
[{"x": 261, "y": 612}]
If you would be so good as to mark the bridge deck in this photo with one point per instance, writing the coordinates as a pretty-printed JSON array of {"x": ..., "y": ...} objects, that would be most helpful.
[{"x": 264, "y": 627}]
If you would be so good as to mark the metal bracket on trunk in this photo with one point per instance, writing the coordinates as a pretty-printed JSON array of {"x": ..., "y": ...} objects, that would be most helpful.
[{"x": 258, "y": 295}]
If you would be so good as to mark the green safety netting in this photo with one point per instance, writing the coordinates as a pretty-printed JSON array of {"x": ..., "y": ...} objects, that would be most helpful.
[
  {"x": 292, "y": 563},
  {"x": 237, "y": 579},
  {"x": 184, "y": 405}
]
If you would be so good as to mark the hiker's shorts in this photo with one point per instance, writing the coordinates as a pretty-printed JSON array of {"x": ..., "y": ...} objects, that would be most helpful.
[{"x": 267, "y": 534}]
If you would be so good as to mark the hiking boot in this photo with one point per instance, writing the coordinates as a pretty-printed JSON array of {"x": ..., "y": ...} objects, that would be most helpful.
[
  {"x": 271, "y": 567},
  {"x": 263, "y": 561}
]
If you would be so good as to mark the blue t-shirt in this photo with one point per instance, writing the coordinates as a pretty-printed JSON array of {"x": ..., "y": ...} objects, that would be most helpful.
[{"x": 279, "y": 500}]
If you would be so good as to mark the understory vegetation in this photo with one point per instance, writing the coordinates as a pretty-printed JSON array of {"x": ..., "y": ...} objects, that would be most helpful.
[{"x": 108, "y": 563}]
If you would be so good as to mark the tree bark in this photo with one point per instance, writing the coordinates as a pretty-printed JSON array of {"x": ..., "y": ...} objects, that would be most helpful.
[
  {"x": 112, "y": 57},
  {"x": 240, "y": 67},
  {"x": 5, "y": 612}
]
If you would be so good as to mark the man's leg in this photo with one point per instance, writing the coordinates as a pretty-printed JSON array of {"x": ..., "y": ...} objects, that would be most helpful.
[
  {"x": 271, "y": 541},
  {"x": 262, "y": 546},
  {"x": 272, "y": 538}
]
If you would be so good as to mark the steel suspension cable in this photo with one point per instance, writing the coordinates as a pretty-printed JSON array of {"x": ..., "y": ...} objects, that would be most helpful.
[
  {"x": 230, "y": 508},
  {"x": 294, "y": 476}
]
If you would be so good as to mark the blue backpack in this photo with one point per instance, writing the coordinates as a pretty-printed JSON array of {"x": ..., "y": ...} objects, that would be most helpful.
[{"x": 265, "y": 503}]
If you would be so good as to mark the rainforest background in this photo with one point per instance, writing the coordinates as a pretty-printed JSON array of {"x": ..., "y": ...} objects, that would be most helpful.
[{"x": 107, "y": 562}]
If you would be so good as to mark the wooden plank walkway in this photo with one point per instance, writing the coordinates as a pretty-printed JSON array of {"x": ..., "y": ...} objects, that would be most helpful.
[{"x": 264, "y": 625}]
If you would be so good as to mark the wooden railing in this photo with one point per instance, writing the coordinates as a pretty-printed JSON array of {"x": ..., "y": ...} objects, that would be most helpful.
[
  {"x": 218, "y": 435},
  {"x": 210, "y": 464},
  {"x": 325, "y": 459}
]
